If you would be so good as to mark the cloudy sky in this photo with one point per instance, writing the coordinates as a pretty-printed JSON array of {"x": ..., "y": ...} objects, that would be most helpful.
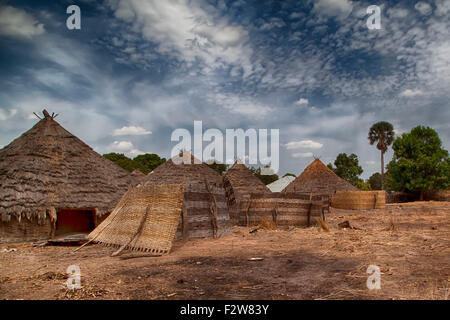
[{"x": 137, "y": 70}]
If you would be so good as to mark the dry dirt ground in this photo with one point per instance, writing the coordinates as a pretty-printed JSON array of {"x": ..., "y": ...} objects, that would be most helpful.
[{"x": 409, "y": 242}]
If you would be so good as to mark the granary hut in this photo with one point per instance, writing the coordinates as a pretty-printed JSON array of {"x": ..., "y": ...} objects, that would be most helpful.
[
  {"x": 240, "y": 183},
  {"x": 205, "y": 211},
  {"x": 52, "y": 183},
  {"x": 317, "y": 178},
  {"x": 138, "y": 175}
]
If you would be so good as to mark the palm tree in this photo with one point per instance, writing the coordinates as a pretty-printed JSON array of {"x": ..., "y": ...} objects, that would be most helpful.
[{"x": 382, "y": 133}]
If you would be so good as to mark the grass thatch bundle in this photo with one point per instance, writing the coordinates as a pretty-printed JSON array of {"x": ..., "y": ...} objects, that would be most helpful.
[{"x": 146, "y": 219}]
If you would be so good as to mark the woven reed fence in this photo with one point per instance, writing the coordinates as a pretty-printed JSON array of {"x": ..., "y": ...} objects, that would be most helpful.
[
  {"x": 153, "y": 210},
  {"x": 284, "y": 209},
  {"x": 400, "y": 197},
  {"x": 441, "y": 195},
  {"x": 200, "y": 217},
  {"x": 358, "y": 200}
]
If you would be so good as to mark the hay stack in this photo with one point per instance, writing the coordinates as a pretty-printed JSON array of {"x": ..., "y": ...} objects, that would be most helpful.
[
  {"x": 359, "y": 200},
  {"x": 145, "y": 219},
  {"x": 48, "y": 168},
  {"x": 317, "y": 178},
  {"x": 240, "y": 183},
  {"x": 205, "y": 210}
]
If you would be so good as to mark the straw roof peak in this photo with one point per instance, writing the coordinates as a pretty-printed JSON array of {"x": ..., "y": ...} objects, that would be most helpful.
[{"x": 318, "y": 178}]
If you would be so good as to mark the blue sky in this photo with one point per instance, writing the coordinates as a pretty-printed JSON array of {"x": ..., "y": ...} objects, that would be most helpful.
[{"x": 137, "y": 70}]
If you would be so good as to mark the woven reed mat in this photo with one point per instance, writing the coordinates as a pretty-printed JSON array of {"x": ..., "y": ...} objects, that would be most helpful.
[{"x": 164, "y": 203}]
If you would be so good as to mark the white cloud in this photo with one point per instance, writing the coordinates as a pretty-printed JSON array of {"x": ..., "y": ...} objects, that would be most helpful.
[
  {"x": 307, "y": 144},
  {"x": 333, "y": 8},
  {"x": 240, "y": 104},
  {"x": 423, "y": 7},
  {"x": 6, "y": 115},
  {"x": 411, "y": 93},
  {"x": 302, "y": 101},
  {"x": 131, "y": 131},
  {"x": 16, "y": 22},
  {"x": 135, "y": 152},
  {"x": 191, "y": 31},
  {"x": 121, "y": 146},
  {"x": 125, "y": 147},
  {"x": 302, "y": 155}
]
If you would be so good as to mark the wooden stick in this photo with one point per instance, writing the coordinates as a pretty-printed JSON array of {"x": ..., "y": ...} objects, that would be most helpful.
[
  {"x": 37, "y": 116},
  {"x": 213, "y": 210}
]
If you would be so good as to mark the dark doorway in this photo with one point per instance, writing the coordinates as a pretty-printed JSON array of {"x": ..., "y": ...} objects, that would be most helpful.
[{"x": 75, "y": 221}]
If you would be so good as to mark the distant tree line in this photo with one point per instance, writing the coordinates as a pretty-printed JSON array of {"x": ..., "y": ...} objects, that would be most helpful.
[
  {"x": 144, "y": 162},
  {"x": 420, "y": 163}
]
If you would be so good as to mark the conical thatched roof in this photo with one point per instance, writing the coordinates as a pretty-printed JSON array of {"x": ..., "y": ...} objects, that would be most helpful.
[
  {"x": 138, "y": 175},
  {"x": 48, "y": 167},
  {"x": 243, "y": 181},
  {"x": 318, "y": 178},
  {"x": 183, "y": 169}
]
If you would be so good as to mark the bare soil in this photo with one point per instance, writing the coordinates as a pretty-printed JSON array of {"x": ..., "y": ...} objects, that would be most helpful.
[{"x": 409, "y": 242}]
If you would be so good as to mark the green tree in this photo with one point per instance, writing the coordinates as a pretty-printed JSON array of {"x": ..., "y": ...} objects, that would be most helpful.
[
  {"x": 363, "y": 185},
  {"x": 383, "y": 134},
  {"x": 121, "y": 160},
  {"x": 265, "y": 178},
  {"x": 290, "y": 174},
  {"x": 347, "y": 167},
  {"x": 219, "y": 167},
  {"x": 148, "y": 162},
  {"x": 375, "y": 181},
  {"x": 420, "y": 163}
]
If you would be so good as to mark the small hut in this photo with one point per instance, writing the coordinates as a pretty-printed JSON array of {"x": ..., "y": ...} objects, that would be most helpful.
[
  {"x": 52, "y": 183},
  {"x": 205, "y": 211},
  {"x": 240, "y": 183},
  {"x": 137, "y": 175},
  {"x": 317, "y": 178}
]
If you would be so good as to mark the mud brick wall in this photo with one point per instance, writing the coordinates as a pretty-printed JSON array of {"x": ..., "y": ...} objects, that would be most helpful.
[{"x": 25, "y": 230}]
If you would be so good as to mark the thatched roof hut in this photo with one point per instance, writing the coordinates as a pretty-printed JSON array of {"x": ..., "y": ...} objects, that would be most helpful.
[
  {"x": 240, "y": 183},
  {"x": 137, "y": 175},
  {"x": 317, "y": 178},
  {"x": 205, "y": 210},
  {"x": 51, "y": 181}
]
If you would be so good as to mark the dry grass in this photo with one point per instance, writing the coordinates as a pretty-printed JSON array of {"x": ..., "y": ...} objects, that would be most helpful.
[
  {"x": 303, "y": 263},
  {"x": 265, "y": 224}
]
